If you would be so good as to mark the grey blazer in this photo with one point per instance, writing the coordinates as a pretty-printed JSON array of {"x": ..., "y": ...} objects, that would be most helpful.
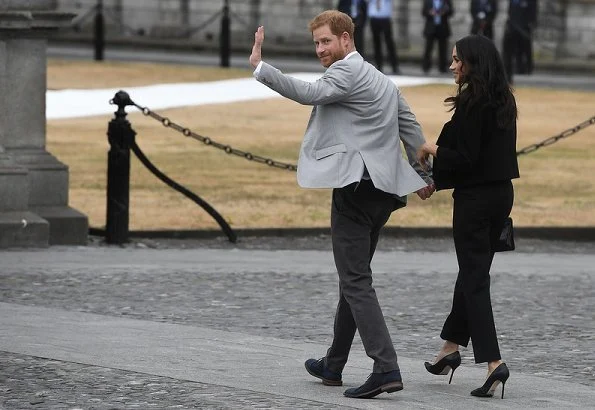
[{"x": 358, "y": 120}]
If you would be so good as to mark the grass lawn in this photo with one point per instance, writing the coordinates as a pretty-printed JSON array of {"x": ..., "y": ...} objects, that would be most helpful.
[{"x": 556, "y": 188}]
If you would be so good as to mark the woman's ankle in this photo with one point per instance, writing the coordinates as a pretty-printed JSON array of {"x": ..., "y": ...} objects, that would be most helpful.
[
  {"x": 493, "y": 365},
  {"x": 449, "y": 347}
]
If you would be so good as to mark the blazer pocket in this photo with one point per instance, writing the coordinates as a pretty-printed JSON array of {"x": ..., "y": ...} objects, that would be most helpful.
[{"x": 328, "y": 151}]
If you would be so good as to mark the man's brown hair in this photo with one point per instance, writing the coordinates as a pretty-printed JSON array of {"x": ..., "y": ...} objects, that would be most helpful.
[{"x": 337, "y": 21}]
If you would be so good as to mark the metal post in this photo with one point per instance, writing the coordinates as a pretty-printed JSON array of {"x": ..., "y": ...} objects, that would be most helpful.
[
  {"x": 99, "y": 31},
  {"x": 185, "y": 13},
  {"x": 120, "y": 136},
  {"x": 225, "y": 43}
]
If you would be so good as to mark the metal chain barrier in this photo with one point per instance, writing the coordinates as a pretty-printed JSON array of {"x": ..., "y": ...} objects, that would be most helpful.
[
  {"x": 556, "y": 138},
  {"x": 166, "y": 122},
  {"x": 291, "y": 167},
  {"x": 121, "y": 138}
]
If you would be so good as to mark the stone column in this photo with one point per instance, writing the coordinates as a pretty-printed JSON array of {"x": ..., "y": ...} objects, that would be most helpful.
[
  {"x": 18, "y": 226},
  {"x": 24, "y": 27}
]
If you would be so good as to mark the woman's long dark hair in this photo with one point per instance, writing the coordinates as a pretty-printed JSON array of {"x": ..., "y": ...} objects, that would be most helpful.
[{"x": 484, "y": 81}]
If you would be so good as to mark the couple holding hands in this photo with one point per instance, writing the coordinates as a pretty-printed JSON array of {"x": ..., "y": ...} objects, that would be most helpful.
[{"x": 352, "y": 144}]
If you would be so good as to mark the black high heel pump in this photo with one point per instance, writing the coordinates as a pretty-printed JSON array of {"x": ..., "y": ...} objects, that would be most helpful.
[
  {"x": 499, "y": 375},
  {"x": 444, "y": 365}
]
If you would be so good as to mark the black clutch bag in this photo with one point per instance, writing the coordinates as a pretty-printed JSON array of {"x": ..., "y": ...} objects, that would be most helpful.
[{"x": 506, "y": 240}]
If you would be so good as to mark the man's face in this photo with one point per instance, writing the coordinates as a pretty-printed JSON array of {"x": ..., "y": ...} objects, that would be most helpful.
[{"x": 329, "y": 48}]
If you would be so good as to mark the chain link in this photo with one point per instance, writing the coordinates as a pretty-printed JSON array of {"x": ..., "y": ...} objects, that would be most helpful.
[
  {"x": 291, "y": 167},
  {"x": 556, "y": 138},
  {"x": 166, "y": 122}
]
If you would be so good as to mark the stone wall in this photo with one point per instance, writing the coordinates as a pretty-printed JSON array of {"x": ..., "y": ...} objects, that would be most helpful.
[{"x": 580, "y": 34}]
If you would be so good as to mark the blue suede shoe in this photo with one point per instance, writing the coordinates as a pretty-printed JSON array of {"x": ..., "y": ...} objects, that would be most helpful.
[
  {"x": 317, "y": 368},
  {"x": 377, "y": 383}
]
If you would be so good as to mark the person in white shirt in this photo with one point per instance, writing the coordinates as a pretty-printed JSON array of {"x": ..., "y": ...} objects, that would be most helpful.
[
  {"x": 436, "y": 29},
  {"x": 380, "y": 13},
  {"x": 358, "y": 11}
]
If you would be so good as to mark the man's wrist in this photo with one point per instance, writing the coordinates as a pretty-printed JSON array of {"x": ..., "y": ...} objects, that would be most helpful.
[{"x": 257, "y": 69}]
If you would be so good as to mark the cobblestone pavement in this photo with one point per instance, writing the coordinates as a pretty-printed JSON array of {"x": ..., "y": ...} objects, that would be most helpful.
[
  {"x": 546, "y": 322},
  {"x": 323, "y": 242},
  {"x": 35, "y": 383}
]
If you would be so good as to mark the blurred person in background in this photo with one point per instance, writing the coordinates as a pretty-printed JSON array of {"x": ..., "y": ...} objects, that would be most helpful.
[
  {"x": 358, "y": 11},
  {"x": 483, "y": 13},
  {"x": 352, "y": 144},
  {"x": 517, "y": 47},
  {"x": 381, "y": 22},
  {"x": 436, "y": 29}
]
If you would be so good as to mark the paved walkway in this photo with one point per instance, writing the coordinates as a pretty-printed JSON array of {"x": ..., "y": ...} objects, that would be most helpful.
[{"x": 134, "y": 327}]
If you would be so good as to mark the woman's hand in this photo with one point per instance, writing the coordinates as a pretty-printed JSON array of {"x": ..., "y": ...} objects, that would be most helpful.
[{"x": 424, "y": 152}]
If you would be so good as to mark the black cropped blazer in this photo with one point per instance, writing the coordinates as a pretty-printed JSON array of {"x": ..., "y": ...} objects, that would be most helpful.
[{"x": 473, "y": 150}]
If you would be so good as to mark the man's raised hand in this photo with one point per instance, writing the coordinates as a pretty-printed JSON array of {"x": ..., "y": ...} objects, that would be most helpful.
[{"x": 256, "y": 55}]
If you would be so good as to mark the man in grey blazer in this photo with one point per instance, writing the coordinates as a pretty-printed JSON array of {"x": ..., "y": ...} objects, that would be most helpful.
[{"x": 353, "y": 145}]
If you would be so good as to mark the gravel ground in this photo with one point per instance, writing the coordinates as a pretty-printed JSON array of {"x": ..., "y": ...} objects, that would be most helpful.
[
  {"x": 546, "y": 322},
  {"x": 34, "y": 383},
  {"x": 323, "y": 242}
]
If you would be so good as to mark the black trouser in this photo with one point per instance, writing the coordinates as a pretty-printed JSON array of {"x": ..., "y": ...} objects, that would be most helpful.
[
  {"x": 358, "y": 35},
  {"x": 483, "y": 28},
  {"x": 358, "y": 213},
  {"x": 382, "y": 27},
  {"x": 442, "y": 59},
  {"x": 478, "y": 218}
]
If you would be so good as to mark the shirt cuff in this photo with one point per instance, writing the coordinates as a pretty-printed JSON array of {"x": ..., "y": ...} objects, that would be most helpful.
[{"x": 257, "y": 69}]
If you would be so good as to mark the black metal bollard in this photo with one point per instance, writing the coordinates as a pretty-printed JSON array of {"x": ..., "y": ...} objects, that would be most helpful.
[
  {"x": 99, "y": 31},
  {"x": 225, "y": 36},
  {"x": 120, "y": 136}
]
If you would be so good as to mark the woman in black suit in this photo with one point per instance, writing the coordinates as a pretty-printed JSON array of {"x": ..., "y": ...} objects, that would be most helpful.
[{"x": 476, "y": 155}]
